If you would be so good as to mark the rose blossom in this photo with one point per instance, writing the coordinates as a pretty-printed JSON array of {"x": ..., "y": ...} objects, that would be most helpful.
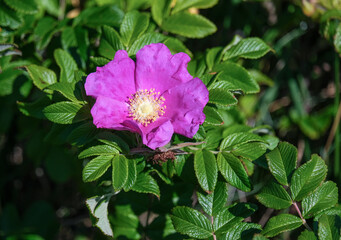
[{"x": 154, "y": 97}]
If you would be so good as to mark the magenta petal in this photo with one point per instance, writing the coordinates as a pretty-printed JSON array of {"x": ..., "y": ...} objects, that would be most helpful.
[
  {"x": 160, "y": 135},
  {"x": 185, "y": 104},
  {"x": 157, "y": 68},
  {"x": 156, "y": 134},
  {"x": 114, "y": 80},
  {"x": 109, "y": 113}
]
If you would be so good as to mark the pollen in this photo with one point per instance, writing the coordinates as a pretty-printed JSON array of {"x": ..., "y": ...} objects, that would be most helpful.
[{"x": 146, "y": 106}]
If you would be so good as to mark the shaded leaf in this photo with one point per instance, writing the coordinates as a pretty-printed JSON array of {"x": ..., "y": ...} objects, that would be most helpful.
[
  {"x": 67, "y": 65},
  {"x": 233, "y": 171},
  {"x": 65, "y": 112},
  {"x": 307, "y": 235},
  {"x": 98, "y": 150},
  {"x": 146, "y": 184},
  {"x": 281, "y": 223},
  {"x": 119, "y": 172},
  {"x": 307, "y": 177},
  {"x": 282, "y": 162},
  {"x": 252, "y": 48},
  {"x": 212, "y": 203},
  {"x": 41, "y": 76},
  {"x": 329, "y": 227},
  {"x": 134, "y": 24},
  {"x": 191, "y": 222},
  {"x": 188, "y": 25},
  {"x": 23, "y": 6},
  {"x": 274, "y": 196},
  {"x": 96, "y": 168},
  {"x": 234, "y": 77},
  {"x": 221, "y": 97},
  {"x": 145, "y": 39},
  {"x": 325, "y": 196},
  {"x": 205, "y": 167}
]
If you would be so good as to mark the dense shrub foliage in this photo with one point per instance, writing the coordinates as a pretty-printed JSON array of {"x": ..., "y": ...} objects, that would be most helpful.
[{"x": 257, "y": 168}]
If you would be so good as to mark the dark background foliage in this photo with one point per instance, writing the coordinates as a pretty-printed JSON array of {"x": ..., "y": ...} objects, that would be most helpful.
[{"x": 41, "y": 191}]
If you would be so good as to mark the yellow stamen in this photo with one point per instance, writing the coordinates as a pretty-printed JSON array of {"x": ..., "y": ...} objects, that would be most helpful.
[{"x": 146, "y": 106}]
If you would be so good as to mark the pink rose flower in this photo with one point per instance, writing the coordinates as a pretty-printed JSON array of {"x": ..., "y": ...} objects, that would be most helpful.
[{"x": 155, "y": 97}]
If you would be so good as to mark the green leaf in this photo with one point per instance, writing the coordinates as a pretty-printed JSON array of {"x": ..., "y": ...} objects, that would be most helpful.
[
  {"x": 241, "y": 231},
  {"x": 251, "y": 150},
  {"x": 23, "y": 6},
  {"x": 134, "y": 24},
  {"x": 68, "y": 90},
  {"x": 132, "y": 175},
  {"x": 188, "y": 25},
  {"x": 274, "y": 196},
  {"x": 222, "y": 97},
  {"x": 228, "y": 217},
  {"x": 282, "y": 162},
  {"x": 205, "y": 167},
  {"x": 113, "y": 39},
  {"x": 98, "y": 206},
  {"x": 51, "y": 6},
  {"x": 260, "y": 77},
  {"x": 212, "y": 116},
  {"x": 234, "y": 77},
  {"x": 110, "y": 15},
  {"x": 160, "y": 10},
  {"x": 76, "y": 41},
  {"x": 125, "y": 222},
  {"x": 66, "y": 112},
  {"x": 7, "y": 79},
  {"x": 191, "y": 222},
  {"x": 252, "y": 48},
  {"x": 83, "y": 134},
  {"x": 96, "y": 168},
  {"x": 325, "y": 196},
  {"x": 67, "y": 65},
  {"x": 233, "y": 171},
  {"x": 259, "y": 237},
  {"x": 225, "y": 220},
  {"x": 213, "y": 57},
  {"x": 41, "y": 76},
  {"x": 145, "y": 39},
  {"x": 119, "y": 172},
  {"x": 307, "y": 178},
  {"x": 185, "y": 4},
  {"x": 307, "y": 235},
  {"x": 98, "y": 150},
  {"x": 234, "y": 140},
  {"x": 101, "y": 61},
  {"x": 114, "y": 140},
  {"x": 212, "y": 203},
  {"x": 146, "y": 184},
  {"x": 336, "y": 210},
  {"x": 329, "y": 227},
  {"x": 281, "y": 223},
  {"x": 337, "y": 39},
  {"x": 176, "y": 46},
  {"x": 9, "y": 18},
  {"x": 34, "y": 109}
]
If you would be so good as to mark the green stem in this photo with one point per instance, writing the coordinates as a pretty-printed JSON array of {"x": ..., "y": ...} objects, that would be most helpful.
[{"x": 336, "y": 106}]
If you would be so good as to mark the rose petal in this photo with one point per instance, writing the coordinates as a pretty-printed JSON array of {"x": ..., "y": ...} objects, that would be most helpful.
[
  {"x": 114, "y": 80},
  {"x": 109, "y": 113},
  {"x": 157, "y": 68},
  {"x": 184, "y": 106},
  {"x": 156, "y": 134}
]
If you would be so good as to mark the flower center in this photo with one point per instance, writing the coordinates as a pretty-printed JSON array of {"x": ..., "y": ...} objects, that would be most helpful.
[{"x": 146, "y": 106}]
